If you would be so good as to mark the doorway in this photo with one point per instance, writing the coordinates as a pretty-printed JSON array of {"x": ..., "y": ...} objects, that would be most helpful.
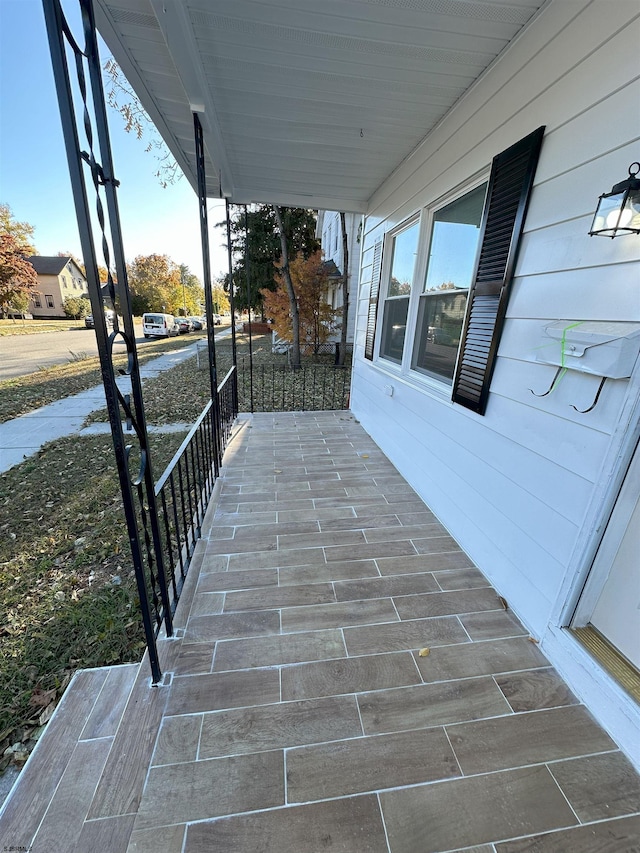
[{"x": 607, "y": 616}]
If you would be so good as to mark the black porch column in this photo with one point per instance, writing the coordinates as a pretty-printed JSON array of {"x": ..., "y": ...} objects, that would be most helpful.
[
  {"x": 208, "y": 297},
  {"x": 93, "y": 167}
]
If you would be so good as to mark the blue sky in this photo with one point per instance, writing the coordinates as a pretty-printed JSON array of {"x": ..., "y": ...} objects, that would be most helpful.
[{"x": 34, "y": 177}]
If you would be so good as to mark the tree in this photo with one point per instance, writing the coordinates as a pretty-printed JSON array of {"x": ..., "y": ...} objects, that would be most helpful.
[
  {"x": 345, "y": 291},
  {"x": 76, "y": 307},
  {"x": 220, "y": 298},
  {"x": 20, "y": 304},
  {"x": 285, "y": 272},
  {"x": 22, "y": 232},
  {"x": 154, "y": 281},
  {"x": 260, "y": 245},
  {"x": 192, "y": 292},
  {"x": 123, "y": 100},
  {"x": 17, "y": 276},
  {"x": 317, "y": 319},
  {"x": 156, "y": 284}
]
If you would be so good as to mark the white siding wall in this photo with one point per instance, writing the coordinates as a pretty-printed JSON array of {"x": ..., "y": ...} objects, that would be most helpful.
[{"x": 515, "y": 485}]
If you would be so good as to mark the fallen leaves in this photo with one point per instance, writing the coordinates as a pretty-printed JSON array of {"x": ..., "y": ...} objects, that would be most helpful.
[
  {"x": 42, "y": 698},
  {"x": 424, "y": 652}
]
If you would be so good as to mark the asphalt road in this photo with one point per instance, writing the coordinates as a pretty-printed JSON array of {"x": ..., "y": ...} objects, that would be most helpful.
[{"x": 23, "y": 354}]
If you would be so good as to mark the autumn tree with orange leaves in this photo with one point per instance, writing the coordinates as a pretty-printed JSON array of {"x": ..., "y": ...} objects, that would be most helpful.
[
  {"x": 318, "y": 320},
  {"x": 17, "y": 277}
]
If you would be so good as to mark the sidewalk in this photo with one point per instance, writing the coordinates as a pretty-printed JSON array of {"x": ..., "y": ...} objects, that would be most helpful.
[{"x": 24, "y": 436}]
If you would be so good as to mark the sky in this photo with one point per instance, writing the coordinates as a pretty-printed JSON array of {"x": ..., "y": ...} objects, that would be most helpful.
[{"x": 34, "y": 176}]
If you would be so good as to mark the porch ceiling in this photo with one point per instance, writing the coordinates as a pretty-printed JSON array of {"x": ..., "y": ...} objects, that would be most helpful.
[{"x": 304, "y": 103}]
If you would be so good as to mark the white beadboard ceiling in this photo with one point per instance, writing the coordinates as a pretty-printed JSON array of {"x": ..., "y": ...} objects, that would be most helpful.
[{"x": 309, "y": 103}]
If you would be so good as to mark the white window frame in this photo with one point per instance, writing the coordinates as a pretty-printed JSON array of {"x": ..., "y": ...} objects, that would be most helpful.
[
  {"x": 416, "y": 377},
  {"x": 387, "y": 260}
]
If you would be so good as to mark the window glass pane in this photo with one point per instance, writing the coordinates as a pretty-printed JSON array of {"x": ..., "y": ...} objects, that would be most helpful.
[
  {"x": 452, "y": 253},
  {"x": 396, "y": 305},
  {"x": 393, "y": 328},
  {"x": 405, "y": 246},
  {"x": 454, "y": 240},
  {"x": 440, "y": 321}
]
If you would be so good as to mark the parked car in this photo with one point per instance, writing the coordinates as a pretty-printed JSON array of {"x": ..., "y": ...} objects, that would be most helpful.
[
  {"x": 184, "y": 325},
  {"x": 197, "y": 323},
  {"x": 217, "y": 319},
  {"x": 90, "y": 324},
  {"x": 159, "y": 325}
]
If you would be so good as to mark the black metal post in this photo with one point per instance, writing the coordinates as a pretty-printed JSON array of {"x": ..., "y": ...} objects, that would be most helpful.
[
  {"x": 232, "y": 305},
  {"x": 208, "y": 297},
  {"x": 246, "y": 270}
]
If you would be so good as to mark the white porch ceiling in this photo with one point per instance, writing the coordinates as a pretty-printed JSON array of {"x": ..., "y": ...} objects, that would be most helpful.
[{"x": 309, "y": 103}]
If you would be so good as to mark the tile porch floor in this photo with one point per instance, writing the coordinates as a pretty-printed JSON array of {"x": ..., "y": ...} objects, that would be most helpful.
[{"x": 297, "y": 714}]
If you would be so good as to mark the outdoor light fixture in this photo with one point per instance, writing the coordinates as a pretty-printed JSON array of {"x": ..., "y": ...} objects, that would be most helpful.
[{"x": 619, "y": 211}]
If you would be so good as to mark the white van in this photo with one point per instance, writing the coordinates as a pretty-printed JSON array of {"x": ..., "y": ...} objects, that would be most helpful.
[{"x": 159, "y": 325}]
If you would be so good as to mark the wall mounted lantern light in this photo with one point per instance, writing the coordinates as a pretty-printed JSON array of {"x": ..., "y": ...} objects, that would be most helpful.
[{"x": 619, "y": 211}]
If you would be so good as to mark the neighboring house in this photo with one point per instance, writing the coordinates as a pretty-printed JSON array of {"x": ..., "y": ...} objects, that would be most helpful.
[
  {"x": 329, "y": 232},
  {"x": 59, "y": 277}
]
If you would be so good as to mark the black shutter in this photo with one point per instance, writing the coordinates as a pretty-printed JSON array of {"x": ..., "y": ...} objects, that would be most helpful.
[
  {"x": 373, "y": 301},
  {"x": 505, "y": 209}
]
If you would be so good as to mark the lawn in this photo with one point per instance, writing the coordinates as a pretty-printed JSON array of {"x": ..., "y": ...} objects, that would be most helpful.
[
  {"x": 37, "y": 327},
  {"x": 67, "y": 589}
]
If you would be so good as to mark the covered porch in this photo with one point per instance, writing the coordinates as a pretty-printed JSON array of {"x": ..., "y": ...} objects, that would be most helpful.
[{"x": 341, "y": 678}]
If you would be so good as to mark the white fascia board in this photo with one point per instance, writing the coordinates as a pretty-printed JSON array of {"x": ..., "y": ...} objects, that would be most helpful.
[{"x": 311, "y": 202}]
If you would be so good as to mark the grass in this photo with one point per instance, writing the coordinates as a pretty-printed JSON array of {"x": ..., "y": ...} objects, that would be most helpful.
[
  {"x": 67, "y": 589},
  {"x": 37, "y": 327}
]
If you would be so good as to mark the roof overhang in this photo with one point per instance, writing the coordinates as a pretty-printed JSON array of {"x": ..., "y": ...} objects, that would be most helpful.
[{"x": 303, "y": 103}]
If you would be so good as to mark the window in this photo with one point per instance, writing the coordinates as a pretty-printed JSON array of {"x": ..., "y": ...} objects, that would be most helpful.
[
  {"x": 335, "y": 238},
  {"x": 455, "y": 320},
  {"x": 49, "y": 300},
  {"x": 455, "y": 233},
  {"x": 396, "y": 305},
  {"x": 36, "y": 301}
]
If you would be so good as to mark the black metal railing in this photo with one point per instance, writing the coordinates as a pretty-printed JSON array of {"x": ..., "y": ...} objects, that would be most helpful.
[
  {"x": 278, "y": 388},
  {"x": 184, "y": 490},
  {"x": 228, "y": 403}
]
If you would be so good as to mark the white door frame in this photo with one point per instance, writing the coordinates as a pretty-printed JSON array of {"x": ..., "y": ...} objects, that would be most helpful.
[
  {"x": 611, "y": 539},
  {"x": 607, "y": 700}
]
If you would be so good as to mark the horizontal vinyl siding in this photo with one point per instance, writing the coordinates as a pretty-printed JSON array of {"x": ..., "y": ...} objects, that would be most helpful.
[{"x": 513, "y": 486}]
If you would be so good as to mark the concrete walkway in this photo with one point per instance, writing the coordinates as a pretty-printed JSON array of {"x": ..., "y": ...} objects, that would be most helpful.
[{"x": 24, "y": 436}]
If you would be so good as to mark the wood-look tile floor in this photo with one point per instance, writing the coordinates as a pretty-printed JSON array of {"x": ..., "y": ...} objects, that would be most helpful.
[{"x": 297, "y": 714}]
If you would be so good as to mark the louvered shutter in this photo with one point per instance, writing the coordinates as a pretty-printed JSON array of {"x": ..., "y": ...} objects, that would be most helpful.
[
  {"x": 370, "y": 337},
  {"x": 512, "y": 174}
]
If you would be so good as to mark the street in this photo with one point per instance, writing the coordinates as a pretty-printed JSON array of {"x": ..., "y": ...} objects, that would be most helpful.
[{"x": 23, "y": 354}]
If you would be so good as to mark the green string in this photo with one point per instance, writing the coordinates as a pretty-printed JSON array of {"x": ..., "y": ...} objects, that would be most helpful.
[{"x": 563, "y": 341}]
